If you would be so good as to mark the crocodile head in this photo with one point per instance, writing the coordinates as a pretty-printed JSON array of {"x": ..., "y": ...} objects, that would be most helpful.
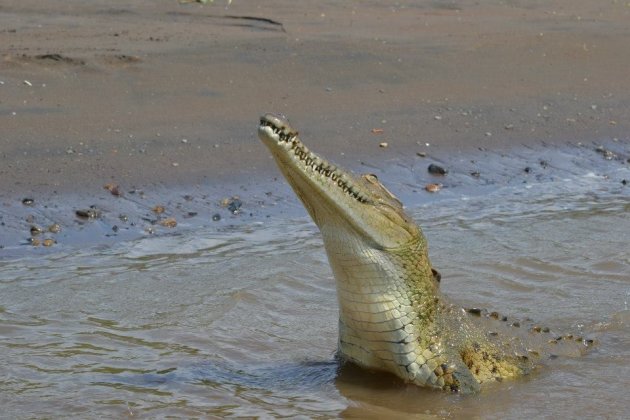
[{"x": 337, "y": 199}]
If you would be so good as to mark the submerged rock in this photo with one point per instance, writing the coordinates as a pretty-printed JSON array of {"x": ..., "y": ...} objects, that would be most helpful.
[
  {"x": 436, "y": 169},
  {"x": 607, "y": 154},
  {"x": 233, "y": 204},
  {"x": 54, "y": 228},
  {"x": 169, "y": 223},
  {"x": 91, "y": 213},
  {"x": 433, "y": 187}
]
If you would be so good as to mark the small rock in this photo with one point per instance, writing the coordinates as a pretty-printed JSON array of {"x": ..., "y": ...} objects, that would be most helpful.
[
  {"x": 123, "y": 218},
  {"x": 436, "y": 170},
  {"x": 158, "y": 209},
  {"x": 35, "y": 241},
  {"x": 91, "y": 213},
  {"x": 383, "y": 144},
  {"x": 48, "y": 242},
  {"x": 216, "y": 217},
  {"x": 509, "y": 126},
  {"x": 28, "y": 201},
  {"x": 36, "y": 230},
  {"x": 377, "y": 131},
  {"x": 544, "y": 163},
  {"x": 527, "y": 169},
  {"x": 421, "y": 154},
  {"x": 433, "y": 187},
  {"x": 113, "y": 188},
  {"x": 54, "y": 228},
  {"x": 169, "y": 223},
  {"x": 475, "y": 174},
  {"x": 115, "y": 228},
  {"x": 624, "y": 182},
  {"x": 234, "y": 206},
  {"x": 607, "y": 154}
]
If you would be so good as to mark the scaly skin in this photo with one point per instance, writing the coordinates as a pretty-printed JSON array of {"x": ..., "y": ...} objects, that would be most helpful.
[{"x": 392, "y": 316}]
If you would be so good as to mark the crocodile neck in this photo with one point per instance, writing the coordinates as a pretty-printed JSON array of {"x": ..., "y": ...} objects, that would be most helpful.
[{"x": 392, "y": 316}]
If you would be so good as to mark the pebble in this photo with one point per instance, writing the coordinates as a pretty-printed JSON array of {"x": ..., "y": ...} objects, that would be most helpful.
[
  {"x": 28, "y": 201},
  {"x": 233, "y": 204},
  {"x": 436, "y": 170},
  {"x": 54, "y": 228},
  {"x": 158, "y": 209},
  {"x": 474, "y": 311},
  {"x": 216, "y": 217},
  {"x": 421, "y": 154},
  {"x": 113, "y": 188},
  {"x": 475, "y": 174},
  {"x": 35, "y": 230},
  {"x": 48, "y": 242},
  {"x": 169, "y": 223},
  {"x": 607, "y": 154},
  {"x": 383, "y": 144},
  {"x": 91, "y": 213},
  {"x": 433, "y": 187}
]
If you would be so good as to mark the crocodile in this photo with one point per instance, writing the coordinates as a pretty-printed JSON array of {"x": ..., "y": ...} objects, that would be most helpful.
[{"x": 392, "y": 315}]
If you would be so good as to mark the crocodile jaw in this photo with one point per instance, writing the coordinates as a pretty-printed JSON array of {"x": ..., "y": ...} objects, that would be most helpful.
[{"x": 333, "y": 196}]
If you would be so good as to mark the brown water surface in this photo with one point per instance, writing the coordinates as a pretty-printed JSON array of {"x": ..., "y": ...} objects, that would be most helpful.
[{"x": 241, "y": 320}]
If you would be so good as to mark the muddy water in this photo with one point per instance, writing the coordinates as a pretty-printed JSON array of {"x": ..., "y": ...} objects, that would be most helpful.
[{"x": 242, "y": 320}]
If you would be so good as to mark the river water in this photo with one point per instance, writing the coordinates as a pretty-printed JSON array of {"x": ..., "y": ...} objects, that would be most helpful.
[{"x": 241, "y": 320}]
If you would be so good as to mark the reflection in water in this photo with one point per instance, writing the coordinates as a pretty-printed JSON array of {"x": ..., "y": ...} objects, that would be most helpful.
[{"x": 244, "y": 322}]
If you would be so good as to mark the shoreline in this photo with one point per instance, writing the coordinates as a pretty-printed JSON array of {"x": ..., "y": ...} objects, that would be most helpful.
[{"x": 129, "y": 213}]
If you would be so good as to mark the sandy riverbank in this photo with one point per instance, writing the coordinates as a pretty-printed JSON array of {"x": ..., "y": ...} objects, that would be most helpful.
[{"x": 161, "y": 92}]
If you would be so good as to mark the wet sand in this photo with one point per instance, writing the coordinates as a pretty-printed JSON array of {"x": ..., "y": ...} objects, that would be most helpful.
[{"x": 157, "y": 92}]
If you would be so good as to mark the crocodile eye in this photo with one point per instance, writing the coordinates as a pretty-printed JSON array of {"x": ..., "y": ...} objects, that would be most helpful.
[{"x": 371, "y": 178}]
